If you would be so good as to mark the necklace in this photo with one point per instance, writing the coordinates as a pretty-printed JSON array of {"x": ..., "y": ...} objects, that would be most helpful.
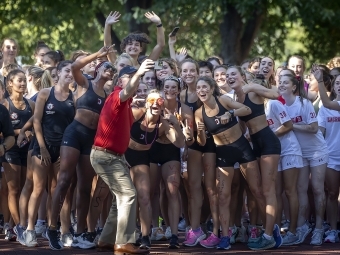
[
  {"x": 146, "y": 131},
  {"x": 21, "y": 103}
]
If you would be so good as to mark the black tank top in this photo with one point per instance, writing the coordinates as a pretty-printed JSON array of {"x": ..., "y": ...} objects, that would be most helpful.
[
  {"x": 256, "y": 109},
  {"x": 56, "y": 117},
  {"x": 19, "y": 117},
  {"x": 193, "y": 106},
  {"x": 213, "y": 124},
  {"x": 90, "y": 100},
  {"x": 143, "y": 137}
]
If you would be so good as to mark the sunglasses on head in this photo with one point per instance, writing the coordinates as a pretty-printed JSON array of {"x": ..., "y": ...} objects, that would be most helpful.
[{"x": 159, "y": 101}]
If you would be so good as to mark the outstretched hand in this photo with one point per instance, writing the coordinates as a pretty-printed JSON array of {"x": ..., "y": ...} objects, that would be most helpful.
[
  {"x": 181, "y": 55},
  {"x": 153, "y": 17},
  {"x": 112, "y": 18}
]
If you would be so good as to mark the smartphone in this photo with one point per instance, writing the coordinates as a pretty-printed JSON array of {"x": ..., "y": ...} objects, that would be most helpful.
[
  {"x": 158, "y": 65},
  {"x": 23, "y": 143},
  {"x": 174, "y": 32}
]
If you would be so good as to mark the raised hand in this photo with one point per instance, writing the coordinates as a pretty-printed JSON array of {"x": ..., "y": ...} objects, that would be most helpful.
[
  {"x": 146, "y": 66},
  {"x": 186, "y": 129},
  {"x": 170, "y": 117},
  {"x": 318, "y": 74},
  {"x": 105, "y": 50},
  {"x": 112, "y": 18},
  {"x": 181, "y": 55},
  {"x": 153, "y": 17}
]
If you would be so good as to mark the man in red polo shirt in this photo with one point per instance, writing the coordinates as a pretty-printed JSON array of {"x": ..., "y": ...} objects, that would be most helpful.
[{"x": 111, "y": 141}]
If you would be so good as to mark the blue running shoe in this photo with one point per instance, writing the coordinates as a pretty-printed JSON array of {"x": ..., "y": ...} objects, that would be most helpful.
[
  {"x": 224, "y": 243},
  {"x": 277, "y": 236},
  {"x": 262, "y": 244}
]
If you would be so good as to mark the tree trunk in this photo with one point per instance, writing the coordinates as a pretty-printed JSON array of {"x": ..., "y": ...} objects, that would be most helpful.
[{"x": 237, "y": 37}]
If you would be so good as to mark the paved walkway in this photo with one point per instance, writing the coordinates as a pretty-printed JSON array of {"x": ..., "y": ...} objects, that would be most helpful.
[{"x": 15, "y": 248}]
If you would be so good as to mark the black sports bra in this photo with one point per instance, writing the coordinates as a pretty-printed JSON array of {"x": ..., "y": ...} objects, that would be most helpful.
[
  {"x": 256, "y": 109},
  {"x": 143, "y": 137},
  {"x": 90, "y": 100},
  {"x": 213, "y": 124},
  {"x": 193, "y": 106}
]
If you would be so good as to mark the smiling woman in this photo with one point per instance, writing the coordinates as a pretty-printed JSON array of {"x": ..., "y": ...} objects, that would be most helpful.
[
  {"x": 9, "y": 51},
  {"x": 77, "y": 143}
]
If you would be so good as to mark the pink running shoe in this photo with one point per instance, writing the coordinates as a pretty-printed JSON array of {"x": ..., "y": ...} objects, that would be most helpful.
[
  {"x": 211, "y": 242},
  {"x": 193, "y": 239}
]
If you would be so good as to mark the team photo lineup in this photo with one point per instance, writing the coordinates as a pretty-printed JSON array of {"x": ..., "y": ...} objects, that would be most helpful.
[{"x": 119, "y": 152}]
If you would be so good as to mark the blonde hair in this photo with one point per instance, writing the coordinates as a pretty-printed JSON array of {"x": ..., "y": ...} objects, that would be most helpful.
[
  {"x": 8, "y": 68},
  {"x": 41, "y": 78},
  {"x": 123, "y": 55}
]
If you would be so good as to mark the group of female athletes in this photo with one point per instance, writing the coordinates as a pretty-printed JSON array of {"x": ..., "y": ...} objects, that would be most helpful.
[{"x": 253, "y": 129}]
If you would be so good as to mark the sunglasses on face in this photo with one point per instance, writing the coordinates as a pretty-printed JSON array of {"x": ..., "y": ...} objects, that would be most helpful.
[
  {"x": 109, "y": 66},
  {"x": 159, "y": 101}
]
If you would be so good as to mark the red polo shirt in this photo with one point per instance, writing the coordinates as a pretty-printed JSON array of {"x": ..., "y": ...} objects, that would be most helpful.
[{"x": 115, "y": 121}]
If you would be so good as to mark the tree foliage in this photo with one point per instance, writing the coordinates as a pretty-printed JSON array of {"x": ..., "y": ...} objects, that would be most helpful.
[{"x": 234, "y": 29}]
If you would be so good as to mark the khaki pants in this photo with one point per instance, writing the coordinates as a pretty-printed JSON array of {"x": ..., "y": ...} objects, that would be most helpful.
[{"x": 120, "y": 225}]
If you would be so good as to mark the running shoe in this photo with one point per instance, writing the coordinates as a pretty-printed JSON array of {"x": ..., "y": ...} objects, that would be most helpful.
[
  {"x": 289, "y": 239},
  {"x": 157, "y": 234},
  {"x": 53, "y": 239},
  {"x": 194, "y": 238},
  {"x": 332, "y": 236},
  {"x": 262, "y": 244},
  {"x": 174, "y": 242},
  {"x": 277, "y": 236},
  {"x": 30, "y": 238},
  {"x": 224, "y": 244},
  {"x": 211, "y": 242},
  {"x": 302, "y": 232},
  {"x": 317, "y": 237}
]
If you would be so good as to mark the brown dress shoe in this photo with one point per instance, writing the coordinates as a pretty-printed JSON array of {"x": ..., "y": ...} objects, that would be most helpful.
[
  {"x": 129, "y": 248},
  {"x": 105, "y": 246}
]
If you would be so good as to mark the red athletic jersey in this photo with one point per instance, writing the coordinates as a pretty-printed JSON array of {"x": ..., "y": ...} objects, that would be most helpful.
[{"x": 115, "y": 121}]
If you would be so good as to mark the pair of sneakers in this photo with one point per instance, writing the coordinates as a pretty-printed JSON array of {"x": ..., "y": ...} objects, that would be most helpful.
[
  {"x": 194, "y": 237},
  {"x": 264, "y": 242}
]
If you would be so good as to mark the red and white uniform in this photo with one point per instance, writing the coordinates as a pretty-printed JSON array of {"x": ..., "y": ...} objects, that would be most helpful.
[
  {"x": 330, "y": 120},
  {"x": 291, "y": 155},
  {"x": 313, "y": 146}
]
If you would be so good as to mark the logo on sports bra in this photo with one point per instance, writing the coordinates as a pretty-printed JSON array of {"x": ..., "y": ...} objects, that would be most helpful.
[
  {"x": 99, "y": 101},
  {"x": 142, "y": 136},
  {"x": 217, "y": 121},
  {"x": 50, "y": 106},
  {"x": 14, "y": 116}
]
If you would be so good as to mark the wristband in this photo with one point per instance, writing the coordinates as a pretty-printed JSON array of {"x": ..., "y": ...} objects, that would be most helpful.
[
  {"x": 160, "y": 25},
  {"x": 232, "y": 113}
]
